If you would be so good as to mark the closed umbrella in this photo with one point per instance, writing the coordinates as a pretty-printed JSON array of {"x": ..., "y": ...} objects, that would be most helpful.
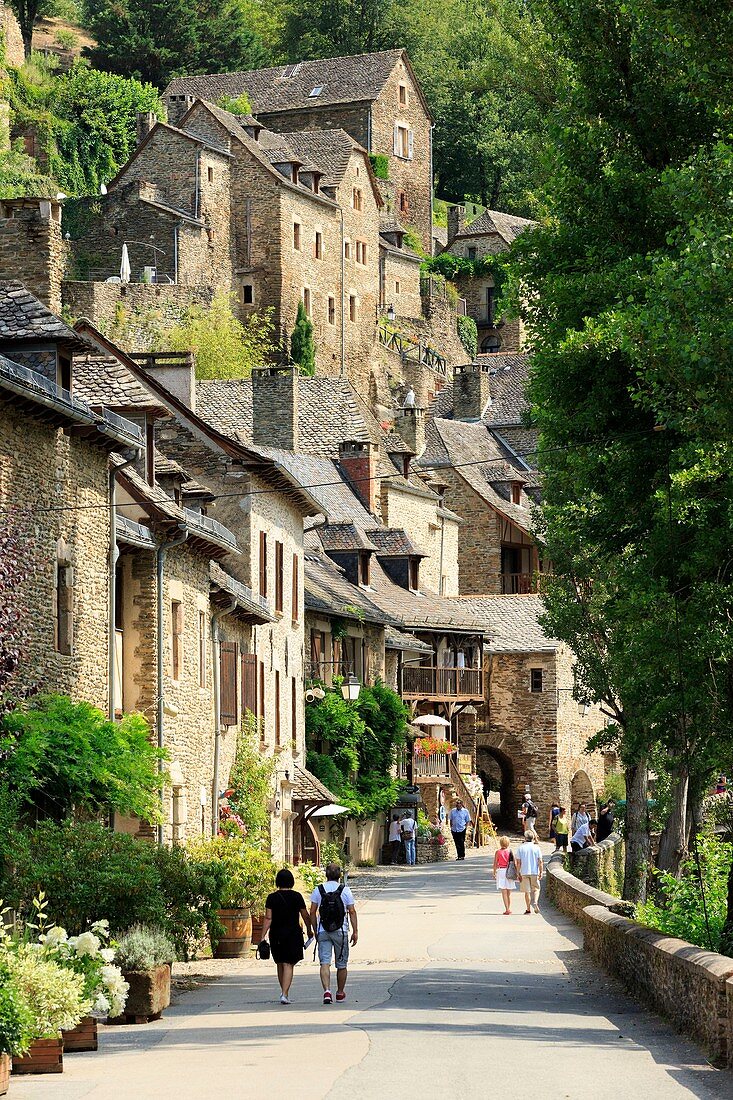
[
  {"x": 430, "y": 720},
  {"x": 125, "y": 270}
]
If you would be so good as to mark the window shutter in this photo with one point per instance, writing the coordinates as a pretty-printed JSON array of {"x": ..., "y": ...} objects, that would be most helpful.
[
  {"x": 294, "y": 708},
  {"x": 249, "y": 683},
  {"x": 279, "y": 575},
  {"x": 277, "y": 707},
  {"x": 228, "y": 683},
  {"x": 263, "y": 564},
  {"x": 396, "y": 144},
  {"x": 410, "y": 143},
  {"x": 295, "y": 590},
  {"x": 261, "y": 698}
]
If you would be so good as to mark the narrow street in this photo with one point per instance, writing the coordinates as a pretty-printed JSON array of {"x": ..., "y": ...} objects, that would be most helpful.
[{"x": 446, "y": 997}]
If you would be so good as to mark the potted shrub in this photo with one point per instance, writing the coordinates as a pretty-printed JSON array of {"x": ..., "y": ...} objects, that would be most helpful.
[
  {"x": 56, "y": 998},
  {"x": 16, "y": 1025},
  {"x": 145, "y": 955},
  {"x": 248, "y": 878}
]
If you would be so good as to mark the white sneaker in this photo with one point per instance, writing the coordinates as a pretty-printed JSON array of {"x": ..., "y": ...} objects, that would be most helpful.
[{"x": 284, "y": 1000}]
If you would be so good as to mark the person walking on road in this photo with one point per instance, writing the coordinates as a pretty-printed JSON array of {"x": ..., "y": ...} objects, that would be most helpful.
[
  {"x": 395, "y": 837},
  {"x": 530, "y": 814},
  {"x": 408, "y": 830},
  {"x": 459, "y": 819},
  {"x": 554, "y": 814},
  {"x": 503, "y": 857},
  {"x": 530, "y": 868},
  {"x": 332, "y": 911},
  {"x": 561, "y": 830},
  {"x": 284, "y": 910}
]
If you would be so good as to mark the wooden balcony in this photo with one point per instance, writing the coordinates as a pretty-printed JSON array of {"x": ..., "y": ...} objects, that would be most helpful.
[
  {"x": 434, "y": 766},
  {"x": 517, "y": 584},
  {"x": 432, "y": 682}
]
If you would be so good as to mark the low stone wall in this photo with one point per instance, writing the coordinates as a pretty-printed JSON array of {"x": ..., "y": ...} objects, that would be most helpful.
[
  {"x": 136, "y": 306},
  {"x": 691, "y": 987},
  {"x": 601, "y": 866},
  {"x": 427, "y": 851},
  {"x": 571, "y": 895}
]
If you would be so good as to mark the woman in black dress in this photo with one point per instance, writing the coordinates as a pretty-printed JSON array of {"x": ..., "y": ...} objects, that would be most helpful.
[{"x": 284, "y": 910}]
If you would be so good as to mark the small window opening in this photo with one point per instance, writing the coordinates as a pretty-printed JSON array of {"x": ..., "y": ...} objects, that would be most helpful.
[{"x": 535, "y": 680}]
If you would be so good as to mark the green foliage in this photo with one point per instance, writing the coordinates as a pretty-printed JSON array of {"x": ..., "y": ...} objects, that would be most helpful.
[
  {"x": 236, "y": 105},
  {"x": 143, "y": 948},
  {"x": 679, "y": 912},
  {"x": 224, "y": 346},
  {"x": 54, "y": 993},
  {"x": 66, "y": 38},
  {"x": 249, "y": 873},
  {"x": 331, "y": 852},
  {"x": 311, "y": 875},
  {"x": 19, "y": 176},
  {"x": 16, "y": 1016},
  {"x": 251, "y": 781},
  {"x": 614, "y": 786},
  {"x": 413, "y": 240},
  {"x": 64, "y": 757},
  {"x": 302, "y": 348},
  {"x": 380, "y": 165},
  {"x": 468, "y": 334}
]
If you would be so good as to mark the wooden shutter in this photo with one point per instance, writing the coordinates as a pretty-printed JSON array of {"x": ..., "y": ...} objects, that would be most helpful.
[
  {"x": 249, "y": 683},
  {"x": 396, "y": 140},
  {"x": 410, "y": 144},
  {"x": 293, "y": 708},
  {"x": 295, "y": 594},
  {"x": 277, "y": 707},
  {"x": 228, "y": 683},
  {"x": 279, "y": 575},
  {"x": 263, "y": 564}
]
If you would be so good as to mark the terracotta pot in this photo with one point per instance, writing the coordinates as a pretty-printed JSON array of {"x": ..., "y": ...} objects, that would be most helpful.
[
  {"x": 45, "y": 1056},
  {"x": 4, "y": 1073},
  {"x": 237, "y": 938},
  {"x": 257, "y": 923},
  {"x": 149, "y": 994},
  {"x": 82, "y": 1037}
]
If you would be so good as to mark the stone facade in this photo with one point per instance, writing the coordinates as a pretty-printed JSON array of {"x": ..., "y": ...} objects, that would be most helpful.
[
  {"x": 31, "y": 246},
  {"x": 12, "y": 38},
  {"x": 434, "y": 530},
  {"x": 133, "y": 306}
]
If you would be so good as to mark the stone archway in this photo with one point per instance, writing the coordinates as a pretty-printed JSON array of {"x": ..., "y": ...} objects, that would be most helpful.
[
  {"x": 581, "y": 790},
  {"x": 500, "y": 770}
]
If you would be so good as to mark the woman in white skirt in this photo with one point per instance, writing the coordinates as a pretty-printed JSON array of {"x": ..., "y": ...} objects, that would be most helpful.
[{"x": 503, "y": 858}]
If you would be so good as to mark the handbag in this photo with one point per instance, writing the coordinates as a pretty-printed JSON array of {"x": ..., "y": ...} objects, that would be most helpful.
[
  {"x": 263, "y": 950},
  {"x": 511, "y": 868}
]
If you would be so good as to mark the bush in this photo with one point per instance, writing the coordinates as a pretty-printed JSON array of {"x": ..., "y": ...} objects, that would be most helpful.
[
  {"x": 16, "y": 1017},
  {"x": 680, "y": 911},
  {"x": 302, "y": 348},
  {"x": 311, "y": 875},
  {"x": 251, "y": 780},
  {"x": 468, "y": 335},
  {"x": 192, "y": 891},
  {"x": 143, "y": 948},
  {"x": 55, "y": 995},
  {"x": 236, "y": 105},
  {"x": 66, "y": 39},
  {"x": 380, "y": 165},
  {"x": 248, "y": 873}
]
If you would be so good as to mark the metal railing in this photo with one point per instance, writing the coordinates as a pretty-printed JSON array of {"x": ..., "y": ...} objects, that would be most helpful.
[
  {"x": 413, "y": 351},
  {"x": 124, "y": 427},
  {"x": 135, "y": 532},
  {"x": 431, "y": 681},
  {"x": 43, "y": 386},
  {"x": 211, "y": 527},
  {"x": 461, "y": 789}
]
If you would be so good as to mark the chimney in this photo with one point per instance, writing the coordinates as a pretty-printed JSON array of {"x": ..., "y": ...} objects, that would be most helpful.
[
  {"x": 145, "y": 122},
  {"x": 471, "y": 391},
  {"x": 456, "y": 221},
  {"x": 32, "y": 248},
  {"x": 275, "y": 407},
  {"x": 173, "y": 369},
  {"x": 358, "y": 460},
  {"x": 410, "y": 426}
]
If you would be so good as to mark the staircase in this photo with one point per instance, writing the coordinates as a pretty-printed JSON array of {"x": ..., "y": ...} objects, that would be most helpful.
[{"x": 413, "y": 351}]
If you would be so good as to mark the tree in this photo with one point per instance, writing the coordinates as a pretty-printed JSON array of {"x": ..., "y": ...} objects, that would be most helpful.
[
  {"x": 224, "y": 346},
  {"x": 302, "y": 348},
  {"x": 28, "y": 12}
]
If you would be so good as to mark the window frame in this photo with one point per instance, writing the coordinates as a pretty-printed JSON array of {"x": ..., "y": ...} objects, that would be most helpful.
[
  {"x": 353, "y": 309},
  {"x": 279, "y": 577},
  {"x": 297, "y": 236},
  {"x": 331, "y": 314},
  {"x": 536, "y": 676},
  {"x": 263, "y": 565},
  {"x": 176, "y": 609},
  {"x": 248, "y": 287},
  {"x": 295, "y": 590},
  {"x": 203, "y": 649},
  {"x": 318, "y": 245}
]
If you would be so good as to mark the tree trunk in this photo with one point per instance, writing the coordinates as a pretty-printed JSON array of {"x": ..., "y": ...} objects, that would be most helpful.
[
  {"x": 26, "y": 33},
  {"x": 673, "y": 841},
  {"x": 636, "y": 834}
]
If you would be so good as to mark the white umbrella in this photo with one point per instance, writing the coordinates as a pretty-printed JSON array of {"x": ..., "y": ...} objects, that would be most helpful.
[
  {"x": 330, "y": 810},
  {"x": 125, "y": 270},
  {"x": 430, "y": 720}
]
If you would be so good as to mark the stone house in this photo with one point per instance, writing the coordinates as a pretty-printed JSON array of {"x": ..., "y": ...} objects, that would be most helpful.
[{"x": 374, "y": 97}]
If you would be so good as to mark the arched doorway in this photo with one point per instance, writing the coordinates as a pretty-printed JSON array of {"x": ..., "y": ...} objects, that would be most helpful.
[
  {"x": 581, "y": 790},
  {"x": 499, "y": 769}
]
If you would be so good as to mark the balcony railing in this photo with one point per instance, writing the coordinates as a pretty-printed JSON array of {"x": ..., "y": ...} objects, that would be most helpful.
[
  {"x": 517, "y": 584},
  {"x": 432, "y": 682},
  {"x": 325, "y": 671},
  {"x": 211, "y": 527},
  {"x": 434, "y": 766}
]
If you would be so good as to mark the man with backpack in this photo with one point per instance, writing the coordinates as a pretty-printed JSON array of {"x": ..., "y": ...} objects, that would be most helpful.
[{"x": 332, "y": 910}]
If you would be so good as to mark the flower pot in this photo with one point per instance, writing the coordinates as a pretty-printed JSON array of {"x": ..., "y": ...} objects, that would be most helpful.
[
  {"x": 82, "y": 1037},
  {"x": 4, "y": 1073},
  {"x": 148, "y": 996},
  {"x": 45, "y": 1056},
  {"x": 237, "y": 938}
]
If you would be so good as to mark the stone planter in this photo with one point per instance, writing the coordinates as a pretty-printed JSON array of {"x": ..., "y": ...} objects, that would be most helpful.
[
  {"x": 4, "y": 1073},
  {"x": 149, "y": 994},
  {"x": 237, "y": 938},
  {"x": 81, "y": 1038},
  {"x": 45, "y": 1056},
  {"x": 428, "y": 851}
]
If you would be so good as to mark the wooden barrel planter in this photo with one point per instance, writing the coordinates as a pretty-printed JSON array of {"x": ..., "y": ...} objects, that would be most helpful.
[
  {"x": 4, "y": 1073},
  {"x": 81, "y": 1038},
  {"x": 237, "y": 938},
  {"x": 45, "y": 1056},
  {"x": 148, "y": 996},
  {"x": 257, "y": 924}
]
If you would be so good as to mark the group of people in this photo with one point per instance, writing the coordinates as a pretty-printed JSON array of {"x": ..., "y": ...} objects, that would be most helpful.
[
  {"x": 583, "y": 831},
  {"x": 523, "y": 869},
  {"x": 403, "y": 834}
]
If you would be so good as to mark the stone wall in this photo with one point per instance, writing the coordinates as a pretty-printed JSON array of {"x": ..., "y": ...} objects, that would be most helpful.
[
  {"x": 32, "y": 248},
  {"x": 419, "y": 513},
  {"x": 601, "y": 866},
  {"x": 13, "y": 40},
  {"x": 401, "y": 282},
  {"x": 580, "y": 772},
  {"x": 571, "y": 895},
  {"x": 134, "y": 305}
]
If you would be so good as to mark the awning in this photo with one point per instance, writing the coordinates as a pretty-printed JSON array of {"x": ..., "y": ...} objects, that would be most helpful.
[{"x": 331, "y": 810}]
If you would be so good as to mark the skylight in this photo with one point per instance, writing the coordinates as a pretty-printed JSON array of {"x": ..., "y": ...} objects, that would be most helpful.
[{"x": 315, "y": 91}]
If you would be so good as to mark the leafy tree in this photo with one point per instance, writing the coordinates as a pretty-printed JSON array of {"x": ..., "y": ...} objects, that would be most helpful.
[
  {"x": 236, "y": 106},
  {"x": 302, "y": 348},
  {"x": 28, "y": 12},
  {"x": 20, "y": 176},
  {"x": 224, "y": 346},
  {"x": 333, "y": 28}
]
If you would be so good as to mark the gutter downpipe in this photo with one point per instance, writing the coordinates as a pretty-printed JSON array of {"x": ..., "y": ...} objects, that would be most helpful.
[
  {"x": 216, "y": 639},
  {"x": 175, "y": 252},
  {"x": 113, "y": 556},
  {"x": 159, "y": 562}
]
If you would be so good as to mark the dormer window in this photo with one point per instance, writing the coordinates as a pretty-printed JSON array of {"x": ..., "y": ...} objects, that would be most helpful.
[
  {"x": 414, "y": 574},
  {"x": 364, "y": 567},
  {"x": 63, "y": 372},
  {"x": 516, "y": 490}
]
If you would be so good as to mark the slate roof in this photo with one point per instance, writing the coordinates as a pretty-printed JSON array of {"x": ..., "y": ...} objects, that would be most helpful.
[
  {"x": 508, "y": 376},
  {"x": 253, "y": 607},
  {"x": 307, "y": 788},
  {"x": 23, "y": 317},
  {"x": 327, "y": 590},
  {"x": 394, "y": 542},
  {"x": 340, "y": 537},
  {"x": 288, "y": 87},
  {"x": 329, "y": 150},
  {"x": 511, "y": 622},
  {"x": 102, "y": 380},
  {"x": 507, "y": 226},
  {"x": 397, "y": 639}
]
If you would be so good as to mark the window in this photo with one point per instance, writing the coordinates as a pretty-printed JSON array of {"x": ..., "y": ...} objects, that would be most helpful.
[
  {"x": 263, "y": 564},
  {"x": 293, "y": 709},
  {"x": 277, "y": 708},
  {"x": 490, "y": 345},
  {"x": 535, "y": 680},
  {"x": 414, "y": 567},
  {"x": 279, "y": 577},
  {"x": 210, "y": 174},
  {"x": 314, "y": 92},
  {"x": 296, "y": 236},
  {"x": 331, "y": 311},
  {"x": 364, "y": 567},
  {"x": 63, "y": 372},
  {"x": 64, "y": 609},
  {"x": 490, "y": 304},
  {"x": 357, "y": 199},
  {"x": 295, "y": 591},
  {"x": 249, "y": 683},
  {"x": 403, "y": 202},
  {"x": 228, "y": 708},
  {"x": 361, "y": 252},
  {"x": 403, "y": 142},
  {"x": 347, "y": 250},
  {"x": 202, "y": 649},
  {"x": 176, "y": 638},
  {"x": 397, "y": 286},
  {"x": 471, "y": 253},
  {"x": 261, "y": 697},
  {"x": 307, "y": 300},
  {"x": 319, "y": 246},
  {"x": 516, "y": 492},
  {"x": 248, "y": 294},
  {"x": 318, "y": 649},
  {"x": 353, "y": 307},
  {"x": 403, "y": 95}
]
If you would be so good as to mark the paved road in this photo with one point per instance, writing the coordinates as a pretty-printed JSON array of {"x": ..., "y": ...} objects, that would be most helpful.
[{"x": 447, "y": 997}]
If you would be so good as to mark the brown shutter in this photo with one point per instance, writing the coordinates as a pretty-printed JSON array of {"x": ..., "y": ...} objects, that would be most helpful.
[
  {"x": 279, "y": 576},
  {"x": 293, "y": 709},
  {"x": 249, "y": 683},
  {"x": 261, "y": 698},
  {"x": 228, "y": 684},
  {"x": 277, "y": 708},
  {"x": 296, "y": 589},
  {"x": 263, "y": 564}
]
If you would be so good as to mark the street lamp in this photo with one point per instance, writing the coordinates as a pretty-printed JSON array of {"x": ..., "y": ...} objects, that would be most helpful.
[
  {"x": 390, "y": 313},
  {"x": 350, "y": 688}
]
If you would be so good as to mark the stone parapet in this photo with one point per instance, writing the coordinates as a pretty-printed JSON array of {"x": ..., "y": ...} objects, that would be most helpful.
[
  {"x": 601, "y": 866},
  {"x": 572, "y": 896}
]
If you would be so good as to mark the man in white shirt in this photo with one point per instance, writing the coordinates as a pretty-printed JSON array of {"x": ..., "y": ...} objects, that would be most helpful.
[
  {"x": 459, "y": 819},
  {"x": 333, "y": 935},
  {"x": 584, "y": 836},
  {"x": 395, "y": 837},
  {"x": 408, "y": 830},
  {"x": 530, "y": 869}
]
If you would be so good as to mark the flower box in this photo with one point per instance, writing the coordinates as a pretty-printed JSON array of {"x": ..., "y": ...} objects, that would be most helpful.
[
  {"x": 45, "y": 1056},
  {"x": 4, "y": 1073},
  {"x": 83, "y": 1037},
  {"x": 149, "y": 994}
]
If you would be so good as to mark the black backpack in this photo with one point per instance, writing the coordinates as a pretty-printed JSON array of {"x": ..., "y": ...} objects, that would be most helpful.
[{"x": 332, "y": 909}]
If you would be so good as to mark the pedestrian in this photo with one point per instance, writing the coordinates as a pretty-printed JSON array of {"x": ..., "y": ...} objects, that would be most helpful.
[
  {"x": 530, "y": 814},
  {"x": 554, "y": 812},
  {"x": 530, "y": 868},
  {"x": 584, "y": 836},
  {"x": 408, "y": 831},
  {"x": 284, "y": 910},
  {"x": 395, "y": 838},
  {"x": 580, "y": 817},
  {"x": 333, "y": 910},
  {"x": 459, "y": 819},
  {"x": 605, "y": 820},
  {"x": 503, "y": 857},
  {"x": 561, "y": 830}
]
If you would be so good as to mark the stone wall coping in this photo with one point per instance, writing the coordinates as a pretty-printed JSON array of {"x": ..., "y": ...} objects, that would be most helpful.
[
  {"x": 604, "y": 845},
  {"x": 595, "y": 897},
  {"x": 708, "y": 964}
]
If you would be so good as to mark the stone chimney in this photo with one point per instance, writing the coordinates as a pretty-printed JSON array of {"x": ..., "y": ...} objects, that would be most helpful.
[
  {"x": 275, "y": 407},
  {"x": 471, "y": 391},
  {"x": 410, "y": 426},
  {"x": 32, "y": 248},
  {"x": 456, "y": 221},
  {"x": 176, "y": 370},
  {"x": 145, "y": 122},
  {"x": 358, "y": 460}
]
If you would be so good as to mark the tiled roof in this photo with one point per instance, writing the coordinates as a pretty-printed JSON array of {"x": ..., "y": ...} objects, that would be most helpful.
[
  {"x": 495, "y": 221},
  {"x": 397, "y": 639},
  {"x": 329, "y": 150},
  {"x": 168, "y": 467},
  {"x": 337, "y": 537},
  {"x": 394, "y": 542},
  {"x": 511, "y": 622},
  {"x": 289, "y": 87},
  {"x": 24, "y": 317},
  {"x": 102, "y": 380},
  {"x": 253, "y": 607},
  {"x": 508, "y": 374},
  {"x": 327, "y": 590},
  {"x": 307, "y": 788},
  {"x": 424, "y": 610}
]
